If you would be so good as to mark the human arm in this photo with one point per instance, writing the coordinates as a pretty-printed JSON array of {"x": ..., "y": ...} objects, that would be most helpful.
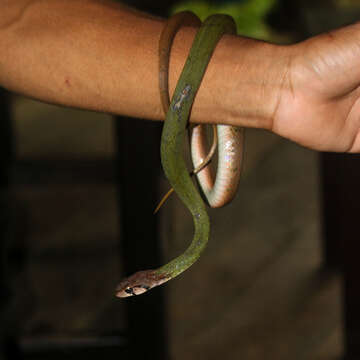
[
  {"x": 99, "y": 55},
  {"x": 103, "y": 56}
]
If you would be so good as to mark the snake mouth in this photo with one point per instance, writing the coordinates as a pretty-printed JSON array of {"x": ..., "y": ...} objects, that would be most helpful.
[
  {"x": 132, "y": 291},
  {"x": 136, "y": 290},
  {"x": 139, "y": 283}
]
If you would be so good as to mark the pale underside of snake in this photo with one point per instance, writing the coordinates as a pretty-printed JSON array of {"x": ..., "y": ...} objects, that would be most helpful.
[{"x": 230, "y": 142}]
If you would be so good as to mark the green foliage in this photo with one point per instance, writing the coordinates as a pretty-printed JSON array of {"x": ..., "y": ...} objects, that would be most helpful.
[
  {"x": 249, "y": 15},
  {"x": 352, "y": 4}
]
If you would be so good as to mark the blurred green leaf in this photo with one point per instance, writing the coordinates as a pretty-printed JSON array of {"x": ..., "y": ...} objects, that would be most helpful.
[{"x": 249, "y": 15}]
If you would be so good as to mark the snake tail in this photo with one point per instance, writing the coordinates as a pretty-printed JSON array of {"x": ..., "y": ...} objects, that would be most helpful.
[{"x": 173, "y": 162}]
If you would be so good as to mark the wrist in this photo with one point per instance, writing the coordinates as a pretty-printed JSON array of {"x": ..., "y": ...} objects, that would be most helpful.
[
  {"x": 259, "y": 77},
  {"x": 243, "y": 83}
]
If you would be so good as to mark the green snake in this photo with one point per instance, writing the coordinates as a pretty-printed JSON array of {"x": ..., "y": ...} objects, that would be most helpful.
[{"x": 172, "y": 145}]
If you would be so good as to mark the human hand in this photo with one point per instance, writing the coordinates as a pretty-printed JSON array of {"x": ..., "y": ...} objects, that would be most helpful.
[{"x": 320, "y": 102}]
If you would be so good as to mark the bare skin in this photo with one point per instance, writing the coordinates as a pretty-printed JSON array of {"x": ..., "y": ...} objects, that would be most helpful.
[{"x": 93, "y": 54}]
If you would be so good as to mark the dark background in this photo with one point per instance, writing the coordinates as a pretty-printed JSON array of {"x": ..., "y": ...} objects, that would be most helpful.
[{"x": 76, "y": 214}]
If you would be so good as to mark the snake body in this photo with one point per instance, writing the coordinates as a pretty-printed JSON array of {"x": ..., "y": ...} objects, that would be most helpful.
[{"x": 172, "y": 143}]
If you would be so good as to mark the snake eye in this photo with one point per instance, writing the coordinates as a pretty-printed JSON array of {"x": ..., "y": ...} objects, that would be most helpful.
[{"x": 129, "y": 291}]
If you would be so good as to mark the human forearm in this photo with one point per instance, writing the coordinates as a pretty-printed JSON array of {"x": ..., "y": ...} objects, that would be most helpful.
[
  {"x": 99, "y": 55},
  {"x": 81, "y": 53}
]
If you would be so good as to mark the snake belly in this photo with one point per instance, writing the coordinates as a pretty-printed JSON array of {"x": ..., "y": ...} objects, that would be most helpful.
[
  {"x": 173, "y": 162},
  {"x": 222, "y": 190}
]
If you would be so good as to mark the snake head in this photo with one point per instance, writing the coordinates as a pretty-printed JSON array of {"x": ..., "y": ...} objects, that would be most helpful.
[{"x": 139, "y": 283}]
